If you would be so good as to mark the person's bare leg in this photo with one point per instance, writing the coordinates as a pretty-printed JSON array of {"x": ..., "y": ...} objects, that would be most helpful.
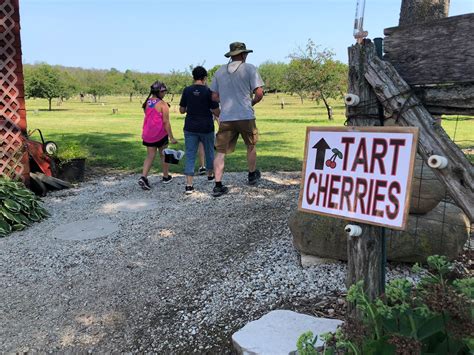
[
  {"x": 150, "y": 157},
  {"x": 165, "y": 166},
  {"x": 189, "y": 180},
  {"x": 252, "y": 157},
  {"x": 202, "y": 161},
  {"x": 219, "y": 162}
]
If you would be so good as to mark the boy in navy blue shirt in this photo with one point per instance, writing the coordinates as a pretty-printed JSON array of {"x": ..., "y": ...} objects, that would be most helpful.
[{"x": 196, "y": 102}]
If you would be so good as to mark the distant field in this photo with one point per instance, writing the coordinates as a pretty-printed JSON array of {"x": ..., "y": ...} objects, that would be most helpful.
[{"x": 113, "y": 141}]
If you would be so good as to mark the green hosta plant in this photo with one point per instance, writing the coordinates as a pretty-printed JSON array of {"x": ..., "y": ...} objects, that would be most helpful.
[{"x": 19, "y": 207}]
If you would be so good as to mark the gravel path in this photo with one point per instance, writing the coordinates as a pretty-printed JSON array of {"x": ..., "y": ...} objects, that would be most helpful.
[{"x": 179, "y": 278}]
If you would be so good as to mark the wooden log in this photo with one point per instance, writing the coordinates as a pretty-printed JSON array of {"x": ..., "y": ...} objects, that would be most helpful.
[
  {"x": 399, "y": 99},
  {"x": 456, "y": 99},
  {"x": 433, "y": 52},
  {"x": 364, "y": 253}
]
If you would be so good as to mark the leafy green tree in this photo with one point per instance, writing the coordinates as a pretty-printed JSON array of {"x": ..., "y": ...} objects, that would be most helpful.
[
  {"x": 44, "y": 81},
  {"x": 274, "y": 75},
  {"x": 97, "y": 84},
  {"x": 297, "y": 77},
  {"x": 211, "y": 72},
  {"x": 315, "y": 71},
  {"x": 135, "y": 83},
  {"x": 70, "y": 86},
  {"x": 115, "y": 83},
  {"x": 176, "y": 81}
]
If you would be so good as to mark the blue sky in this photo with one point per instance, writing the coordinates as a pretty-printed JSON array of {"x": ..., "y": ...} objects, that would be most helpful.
[{"x": 162, "y": 35}]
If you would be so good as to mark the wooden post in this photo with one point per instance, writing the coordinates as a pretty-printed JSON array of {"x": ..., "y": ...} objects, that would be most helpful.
[
  {"x": 364, "y": 253},
  {"x": 417, "y": 11}
]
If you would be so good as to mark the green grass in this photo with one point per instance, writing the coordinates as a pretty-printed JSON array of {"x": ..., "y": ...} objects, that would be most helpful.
[{"x": 114, "y": 142}]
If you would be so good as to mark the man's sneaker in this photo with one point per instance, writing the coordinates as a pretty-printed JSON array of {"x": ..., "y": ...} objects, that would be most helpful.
[
  {"x": 167, "y": 180},
  {"x": 189, "y": 190},
  {"x": 211, "y": 178},
  {"x": 254, "y": 177},
  {"x": 220, "y": 190},
  {"x": 202, "y": 170},
  {"x": 144, "y": 184}
]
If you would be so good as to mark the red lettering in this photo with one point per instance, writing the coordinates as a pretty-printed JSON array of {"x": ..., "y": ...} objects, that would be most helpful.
[
  {"x": 369, "y": 199},
  {"x": 322, "y": 189},
  {"x": 378, "y": 197},
  {"x": 394, "y": 185},
  {"x": 346, "y": 193},
  {"x": 312, "y": 176},
  {"x": 397, "y": 143},
  {"x": 360, "y": 195},
  {"x": 378, "y": 156},
  {"x": 361, "y": 156},
  {"x": 347, "y": 141},
  {"x": 333, "y": 191}
]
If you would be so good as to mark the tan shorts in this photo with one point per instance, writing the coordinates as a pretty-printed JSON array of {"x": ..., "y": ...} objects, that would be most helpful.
[{"x": 228, "y": 133}]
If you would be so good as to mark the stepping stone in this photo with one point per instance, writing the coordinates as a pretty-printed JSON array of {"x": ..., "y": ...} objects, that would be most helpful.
[
  {"x": 138, "y": 205},
  {"x": 277, "y": 332},
  {"x": 85, "y": 230}
]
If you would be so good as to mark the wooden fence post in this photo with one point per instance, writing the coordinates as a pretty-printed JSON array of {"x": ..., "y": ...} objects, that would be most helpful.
[{"x": 364, "y": 253}]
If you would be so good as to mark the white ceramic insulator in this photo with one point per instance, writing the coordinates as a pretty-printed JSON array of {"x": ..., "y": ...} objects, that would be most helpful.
[
  {"x": 437, "y": 162},
  {"x": 353, "y": 230},
  {"x": 351, "y": 100}
]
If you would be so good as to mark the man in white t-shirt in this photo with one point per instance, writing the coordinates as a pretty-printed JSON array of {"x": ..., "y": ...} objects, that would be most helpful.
[{"x": 238, "y": 87}]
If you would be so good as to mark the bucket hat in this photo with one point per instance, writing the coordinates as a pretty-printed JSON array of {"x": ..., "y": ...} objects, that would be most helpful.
[
  {"x": 237, "y": 48},
  {"x": 173, "y": 156}
]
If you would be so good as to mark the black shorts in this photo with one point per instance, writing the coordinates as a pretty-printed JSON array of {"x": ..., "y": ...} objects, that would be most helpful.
[{"x": 161, "y": 143}]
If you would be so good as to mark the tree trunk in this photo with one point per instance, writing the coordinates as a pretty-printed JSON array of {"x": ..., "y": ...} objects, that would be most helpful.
[
  {"x": 131, "y": 94},
  {"x": 417, "y": 11},
  {"x": 328, "y": 108},
  {"x": 49, "y": 101}
]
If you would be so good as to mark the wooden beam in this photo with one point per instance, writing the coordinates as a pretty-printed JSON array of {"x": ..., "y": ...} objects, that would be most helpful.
[
  {"x": 399, "y": 99},
  {"x": 434, "y": 52},
  {"x": 456, "y": 99},
  {"x": 364, "y": 253}
]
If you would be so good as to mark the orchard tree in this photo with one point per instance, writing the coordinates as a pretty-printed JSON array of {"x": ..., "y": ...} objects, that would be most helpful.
[
  {"x": 70, "y": 86},
  {"x": 135, "y": 83},
  {"x": 315, "y": 71},
  {"x": 176, "y": 81},
  {"x": 97, "y": 84},
  {"x": 274, "y": 75},
  {"x": 44, "y": 81},
  {"x": 297, "y": 77}
]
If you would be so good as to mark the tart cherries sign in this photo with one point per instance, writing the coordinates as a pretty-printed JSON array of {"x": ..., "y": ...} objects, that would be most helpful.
[{"x": 359, "y": 173}]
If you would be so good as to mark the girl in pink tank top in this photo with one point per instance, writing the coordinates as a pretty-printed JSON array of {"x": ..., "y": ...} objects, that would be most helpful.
[{"x": 156, "y": 132}]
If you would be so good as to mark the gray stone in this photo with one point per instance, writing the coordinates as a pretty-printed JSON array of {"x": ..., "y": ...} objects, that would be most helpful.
[
  {"x": 85, "y": 230},
  {"x": 278, "y": 331},
  {"x": 442, "y": 231},
  {"x": 318, "y": 235},
  {"x": 426, "y": 190},
  {"x": 138, "y": 205}
]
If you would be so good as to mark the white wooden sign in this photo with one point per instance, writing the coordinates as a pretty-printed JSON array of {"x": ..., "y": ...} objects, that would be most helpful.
[{"x": 361, "y": 174}]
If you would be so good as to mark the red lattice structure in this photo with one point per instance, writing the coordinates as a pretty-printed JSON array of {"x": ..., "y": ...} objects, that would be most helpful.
[{"x": 13, "y": 156}]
